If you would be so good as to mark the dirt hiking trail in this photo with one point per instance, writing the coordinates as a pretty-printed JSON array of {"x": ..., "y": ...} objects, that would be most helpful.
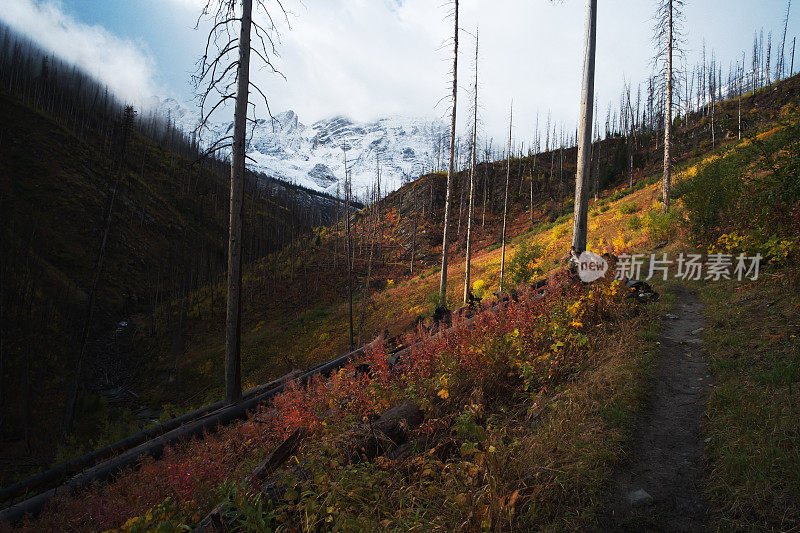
[{"x": 659, "y": 485}]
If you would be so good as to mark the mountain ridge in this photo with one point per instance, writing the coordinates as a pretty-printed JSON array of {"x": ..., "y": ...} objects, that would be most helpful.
[{"x": 313, "y": 155}]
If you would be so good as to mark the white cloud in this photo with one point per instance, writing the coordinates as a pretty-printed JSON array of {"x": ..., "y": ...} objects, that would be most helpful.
[
  {"x": 366, "y": 58},
  {"x": 371, "y": 58},
  {"x": 123, "y": 65}
]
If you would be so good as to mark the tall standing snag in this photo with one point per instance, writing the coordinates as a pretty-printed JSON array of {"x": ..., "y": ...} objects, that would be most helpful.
[
  {"x": 221, "y": 78},
  {"x": 473, "y": 161},
  {"x": 450, "y": 170},
  {"x": 668, "y": 40},
  {"x": 505, "y": 204},
  {"x": 585, "y": 133}
]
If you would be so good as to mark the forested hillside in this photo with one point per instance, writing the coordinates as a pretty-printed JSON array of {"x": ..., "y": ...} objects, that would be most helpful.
[{"x": 61, "y": 163}]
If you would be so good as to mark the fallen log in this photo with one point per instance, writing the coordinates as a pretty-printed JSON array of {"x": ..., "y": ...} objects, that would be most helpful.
[
  {"x": 155, "y": 447},
  {"x": 58, "y": 473},
  {"x": 215, "y": 520},
  {"x": 276, "y": 458},
  {"x": 379, "y": 437}
]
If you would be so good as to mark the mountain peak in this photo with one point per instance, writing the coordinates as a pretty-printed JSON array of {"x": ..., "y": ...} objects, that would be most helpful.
[{"x": 286, "y": 149}]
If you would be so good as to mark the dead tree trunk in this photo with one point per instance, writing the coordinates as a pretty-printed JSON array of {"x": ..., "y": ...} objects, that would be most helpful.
[
  {"x": 667, "y": 181},
  {"x": 233, "y": 322},
  {"x": 468, "y": 256},
  {"x": 365, "y": 294},
  {"x": 69, "y": 415},
  {"x": 450, "y": 169},
  {"x": 579, "y": 236},
  {"x": 348, "y": 193},
  {"x": 505, "y": 204}
]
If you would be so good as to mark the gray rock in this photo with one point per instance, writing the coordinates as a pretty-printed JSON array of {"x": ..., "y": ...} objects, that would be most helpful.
[
  {"x": 698, "y": 330},
  {"x": 671, "y": 316},
  {"x": 639, "y": 498}
]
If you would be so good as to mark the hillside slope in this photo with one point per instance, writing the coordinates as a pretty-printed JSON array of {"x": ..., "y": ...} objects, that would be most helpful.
[
  {"x": 168, "y": 236},
  {"x": 298, "y": 297}
]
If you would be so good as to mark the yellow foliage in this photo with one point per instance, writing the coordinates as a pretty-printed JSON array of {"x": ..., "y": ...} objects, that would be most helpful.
[
  {"x": 560, "y": 231},
  {"x": 619, "y": 244},
  {"x": 479, "y": 288}
]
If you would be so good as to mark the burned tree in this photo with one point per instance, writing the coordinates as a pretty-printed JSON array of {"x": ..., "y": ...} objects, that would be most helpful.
[
  {"x": 450, "y": 168},
  {"x": 223, "y": 77},
  {"x": 473, "y": 161},
  {"x": 668, "y": 42},
  {"x": 126, "y": 125},
  {"x": 579, "y": 236},
  {"x": 505, "y": 203}
]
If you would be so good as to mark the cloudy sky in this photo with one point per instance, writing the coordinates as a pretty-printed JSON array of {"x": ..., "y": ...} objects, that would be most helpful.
[{"x": 369, "y": 58}]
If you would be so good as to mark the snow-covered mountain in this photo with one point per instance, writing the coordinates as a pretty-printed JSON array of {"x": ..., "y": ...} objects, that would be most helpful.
[{"x": 313, "y": 156}]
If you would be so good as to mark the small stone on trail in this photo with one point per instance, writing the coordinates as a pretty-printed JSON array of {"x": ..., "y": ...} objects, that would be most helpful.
[
  {"x": 671, "y": 316},
  {"x": 698, "y": 330},
  {"x": 639, "y": 498}
]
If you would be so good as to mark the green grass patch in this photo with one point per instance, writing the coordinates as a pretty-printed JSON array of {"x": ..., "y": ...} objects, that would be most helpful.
[{"x": 754, "y": 410}]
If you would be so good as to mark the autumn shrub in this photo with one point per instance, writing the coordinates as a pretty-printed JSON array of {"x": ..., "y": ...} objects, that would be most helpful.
[
  {"x": 662, "y": 226},
  {"x": 525, "y": 264},
  {"x": 711, "y": 192},
  {"x": 618, "y": 195},
  {"x": 628, "y": 209},
  {"x": 245, "y": 511},
  {"x": 479, "y": 288},
  {"x": 433, "y": 299},
  {"x": 748, "y": 198},
  {"x": 509, "y": 358},
  {"x": 163, "y": 518},
  {"x": 634, "y": 223}
]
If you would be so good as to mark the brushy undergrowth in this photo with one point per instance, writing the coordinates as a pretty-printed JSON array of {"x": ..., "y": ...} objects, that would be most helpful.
[
  {"x": 747, "y": 200},
  {"x": 525, "y": 415}
]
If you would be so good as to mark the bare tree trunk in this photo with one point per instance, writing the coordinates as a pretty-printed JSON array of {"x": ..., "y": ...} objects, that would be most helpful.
[
  {"x": 741, "y": 74},
  {"x": 374, "y": 229},
  {"x": 505, "y": 204},
  {"x": 414, "y": 237},
  {"x": 535, "y": 156},
  {"x": 69, "y": 415},
  {"x": 579, "y": 236},
  {"x": 667, "y": 181},
  {"x": 3, "y": 251},
  {"x": 347, "y": 199},
  {"x": 468, "y": 257},
  {"x": 233, "y": 322},
  {"x": 445, "y": 231},
  {"x": 485, "y": 191}
]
